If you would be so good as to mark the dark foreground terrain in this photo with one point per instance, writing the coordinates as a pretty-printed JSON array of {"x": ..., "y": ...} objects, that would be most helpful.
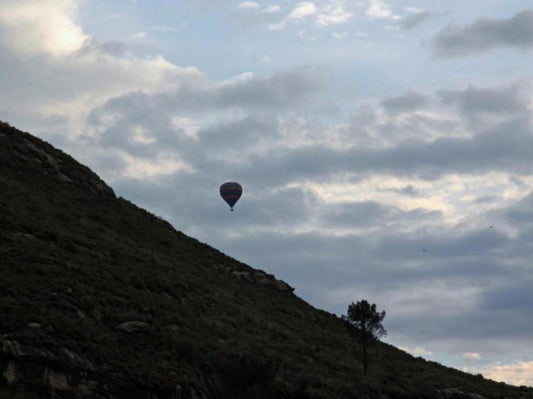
[{"x": 101, "y": 299}]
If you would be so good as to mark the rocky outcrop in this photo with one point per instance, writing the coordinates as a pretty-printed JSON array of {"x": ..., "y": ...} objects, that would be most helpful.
[
  {"x": 276, "y": 284},
  {"x": 63, "y": 373},
  {"x": 262, "y": 279},
  {"x": 133, "y": 326},
  {"x": 455, "y": 393},
  {"x": 14, "y": 350}
]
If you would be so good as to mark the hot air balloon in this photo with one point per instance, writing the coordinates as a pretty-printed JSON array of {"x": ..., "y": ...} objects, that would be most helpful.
[{"x": 231, "y": 192}]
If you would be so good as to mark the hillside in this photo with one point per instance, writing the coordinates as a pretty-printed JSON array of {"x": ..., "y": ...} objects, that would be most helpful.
[{"x": 101, "y": 299}]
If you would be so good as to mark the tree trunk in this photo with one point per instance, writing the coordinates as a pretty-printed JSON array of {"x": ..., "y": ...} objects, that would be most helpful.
[{"x": 365, "y": 357}]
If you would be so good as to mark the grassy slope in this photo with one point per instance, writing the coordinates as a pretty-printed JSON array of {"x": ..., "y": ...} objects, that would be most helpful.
[{"x": 79, "y": 261}]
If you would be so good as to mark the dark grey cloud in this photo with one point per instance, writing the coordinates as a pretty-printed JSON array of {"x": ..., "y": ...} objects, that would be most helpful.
[
  {"x": 485, "y": 34},
  {"x": 143, "y": 125},
  {"x": 487, "y": 199},
  {"x": 364, "y": 115},
  {"x": 521, "y": 214},
  {"x": 371, "y": 214},
  {"x": 136, "y": 114},
  {"x": 198, "y": 193},
  {"x": 279, "y": 92},
  {"x": 506, "y": 147},
  {"x": 455, "y": 290},
  {"x": 262, "y": 232},
  {"x": 496, "y": 310},
  {"x": 220, "y": 148},
  {"x": 505, "y": 101},
  {"x": 215, "y": 147},
  {"x": 409, "y": 101},
  {"x": 357, "y": 214},
  {"x": 417, "y": 126},
  {"x": 378, "y": 255},
  {"x": 431, "y": 295},
  {"x": 415, "y": 20},
  {"x": 485, "y": 330},
  {"x": 518, "y": 218},
  {"x": 241, "y": 133},
  {"x": 515, "y": 297},
  {"x": 517, "y": 180},
  {"x": 442, "y": 254},
  {"x": 409, "y": 190}
]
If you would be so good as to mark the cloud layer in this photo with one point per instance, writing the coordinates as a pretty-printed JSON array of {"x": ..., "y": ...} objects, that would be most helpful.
[
  {"x": 418, "y": 199},
  {"x": 484, "y": 35}
]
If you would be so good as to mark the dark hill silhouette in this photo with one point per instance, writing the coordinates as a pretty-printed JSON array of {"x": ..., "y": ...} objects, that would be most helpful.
[{"x": 101, "y": 299}]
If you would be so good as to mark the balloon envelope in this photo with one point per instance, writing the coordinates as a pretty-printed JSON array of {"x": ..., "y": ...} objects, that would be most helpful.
[{"x": 231, "y": 192}]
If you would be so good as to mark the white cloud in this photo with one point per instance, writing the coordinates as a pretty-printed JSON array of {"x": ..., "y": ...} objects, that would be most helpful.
[
  {"x": 471, "y": 356},
  {"x": 339, "y": 35},
  {"x": 333, "y": 15},
  {"x": 302, "y": 10},
  {"x": 139, "y": 35},
  {"x": 416, "y": 351},
  {"x": 379, "y": 9},
  {"x": 249, "y": 4},
  {"x": 41, "y": 26},
  {"x": 328, "y": 14},
  {"x": 83, "y": 72},
  {"x": 142, "y": 169},
  {"x": 520, "y": 373},
  {"x": 271, "y": 9}
]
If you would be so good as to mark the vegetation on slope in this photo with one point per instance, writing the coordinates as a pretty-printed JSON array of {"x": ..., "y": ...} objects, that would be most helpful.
[{"x": 76, "y": 262}]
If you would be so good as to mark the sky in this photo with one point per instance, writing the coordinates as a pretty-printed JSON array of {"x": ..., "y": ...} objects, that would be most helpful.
[{"x": 384, "y": 146}]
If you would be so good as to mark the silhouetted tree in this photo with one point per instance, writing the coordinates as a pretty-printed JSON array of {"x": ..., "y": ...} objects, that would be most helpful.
[{"x": 367, "y": 319}]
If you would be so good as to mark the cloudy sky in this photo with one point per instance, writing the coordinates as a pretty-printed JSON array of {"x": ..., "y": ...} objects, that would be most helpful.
[{"x": 384, "y": 146}]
